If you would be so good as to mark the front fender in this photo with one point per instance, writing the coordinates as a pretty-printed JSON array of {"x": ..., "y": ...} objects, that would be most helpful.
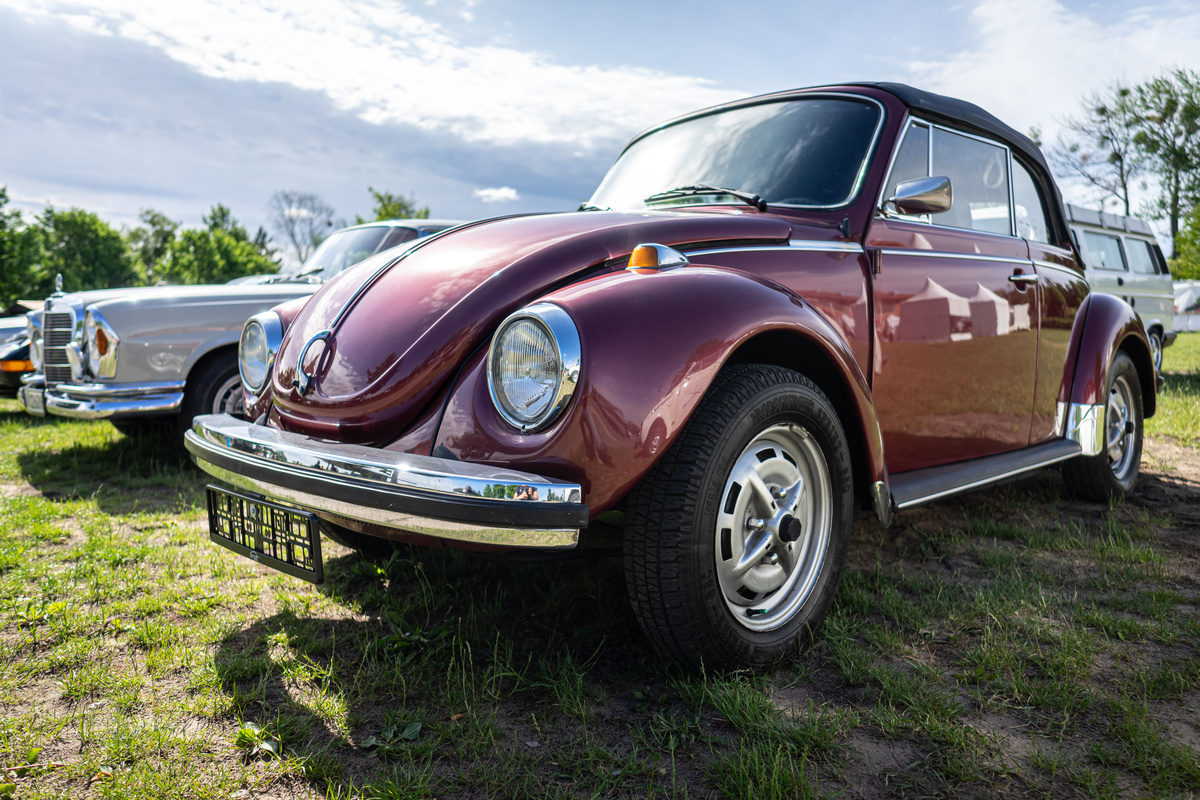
[
  {"x": 652, "y": 343},
  {"x": 1104, "y": 325}
]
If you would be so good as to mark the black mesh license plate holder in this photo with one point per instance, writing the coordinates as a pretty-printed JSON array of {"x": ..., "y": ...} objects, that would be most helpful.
[{"x": 281, "y": 537}]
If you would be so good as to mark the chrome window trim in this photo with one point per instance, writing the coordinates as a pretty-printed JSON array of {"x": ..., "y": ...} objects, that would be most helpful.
[
  {"x": 915, "y": 120},
  {"x": 863, "y": 168},
  {"x": 910, "y": 123},
  {"x": 565, "y": 337},
  {"x": 815, "y": 247}
]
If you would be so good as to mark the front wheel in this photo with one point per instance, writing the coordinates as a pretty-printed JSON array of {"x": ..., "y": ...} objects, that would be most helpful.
[
  {"x": 736, "y": 540},
  {"x": 213, "y": 388},
  {"x": 1113, "y": 473},
  {"x": 1156, "y": 350}
]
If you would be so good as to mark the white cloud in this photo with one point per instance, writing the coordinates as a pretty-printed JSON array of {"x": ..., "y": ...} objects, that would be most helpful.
[
  {"x": 386, "y": 64},
  {"x": 1030, "y": 62},
  {"x": 501, "y": 194}
]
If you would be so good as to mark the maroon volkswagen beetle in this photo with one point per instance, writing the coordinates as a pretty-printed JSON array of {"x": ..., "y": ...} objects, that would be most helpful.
[{"x": 771, "y": 317}]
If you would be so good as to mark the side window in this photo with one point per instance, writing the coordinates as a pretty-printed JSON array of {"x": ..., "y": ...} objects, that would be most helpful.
[
  {"x": 978, "y": 173},
  {"x": 1104, "y": 252},
  {"x": 912, "y": 159},
  {"x": 1141, "y": 259},
  {"x": 397, "y": 236},
  {"x": 1030, "y": 210}
]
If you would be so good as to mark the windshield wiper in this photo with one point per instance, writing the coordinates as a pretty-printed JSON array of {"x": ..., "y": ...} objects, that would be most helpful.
[{"x": 703, "y": 188}]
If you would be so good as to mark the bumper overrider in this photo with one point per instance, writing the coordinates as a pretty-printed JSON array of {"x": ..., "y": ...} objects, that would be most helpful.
[
  {"x": 436, "y": 497},
  {"x": 101, "y": 400}
]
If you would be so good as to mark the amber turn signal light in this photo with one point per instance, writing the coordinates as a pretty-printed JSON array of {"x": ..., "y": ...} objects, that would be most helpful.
[
  {"x": 16, "y": 366},
  {"x": 644, "y": 256},
  {"x": 101, "y": 342}
]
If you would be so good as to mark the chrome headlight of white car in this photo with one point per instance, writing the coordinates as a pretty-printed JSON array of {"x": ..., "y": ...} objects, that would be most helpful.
[
  {"x": 533, "y": 366},
  {"x": 100, "y": 343},
  {"x": 33, "y": 327},
  {"x": 261, "y": 336}
]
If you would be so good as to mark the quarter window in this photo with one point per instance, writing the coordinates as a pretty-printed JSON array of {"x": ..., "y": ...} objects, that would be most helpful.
[
  {"x": 1104, "y": 252},
  {"x": 978, "y": 173},
  {"x": 1031, "y": 211},
  {"x": 1140, "y": 257},
  {"x": 912, "y": 159}
]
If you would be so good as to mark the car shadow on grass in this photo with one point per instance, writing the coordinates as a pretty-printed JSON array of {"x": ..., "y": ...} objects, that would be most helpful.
[
  {"x": 433, "y": 672},
  {"x": 67, "y": 460}
]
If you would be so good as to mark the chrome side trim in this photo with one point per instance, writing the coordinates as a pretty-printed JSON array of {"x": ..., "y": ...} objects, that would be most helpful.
[
  {"x": 881, "y": 498},
  {"x": 1083, "y": 424},
  {"x": 991, "y": 479},
  {"x": 807, "y": 246},
  {"x": 439, "y": 497},
  {"x": 1058, "y": 268},
  {"x": 1025, "y": 262},
  {"x": 101, "y": 390}
]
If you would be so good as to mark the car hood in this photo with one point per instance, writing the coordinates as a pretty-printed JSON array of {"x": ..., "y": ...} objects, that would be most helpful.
[{"x": 408, "y": 332}]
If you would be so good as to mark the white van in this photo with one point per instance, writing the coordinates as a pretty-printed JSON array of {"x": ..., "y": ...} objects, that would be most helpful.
[{"x": 1123, "y": 258}]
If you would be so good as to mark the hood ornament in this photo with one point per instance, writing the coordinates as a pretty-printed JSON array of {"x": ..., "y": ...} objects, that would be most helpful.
[
  {"x": 58, "y": 283},
  {"x": 303, "y": 379}
]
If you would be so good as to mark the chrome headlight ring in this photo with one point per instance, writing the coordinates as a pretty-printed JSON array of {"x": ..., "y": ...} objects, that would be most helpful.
[
  {"x": 261, "y": 338},
  {"x": 100, "y": 343},
  {"x": 533, "y": 366}
]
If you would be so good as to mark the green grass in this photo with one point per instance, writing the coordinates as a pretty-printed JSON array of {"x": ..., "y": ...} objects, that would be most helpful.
[
  {"x": 1008, "y": 643},
  {"x": 1178, "y": 414}
]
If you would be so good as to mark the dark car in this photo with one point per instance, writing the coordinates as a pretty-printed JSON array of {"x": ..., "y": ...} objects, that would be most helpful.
[
  {"x": 772, "y": 316},
  {"x": 14, "y": 362}
]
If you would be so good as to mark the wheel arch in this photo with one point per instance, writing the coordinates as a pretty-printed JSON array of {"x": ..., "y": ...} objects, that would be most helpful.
[
  {"x": 1104, "y": 326},
  {"x": 204, "y": 360}
]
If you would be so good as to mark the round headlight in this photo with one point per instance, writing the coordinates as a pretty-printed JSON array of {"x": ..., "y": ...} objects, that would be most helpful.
[
  {"x": 533, "y": 365},
  {"x": 261, "y": 337},
  {"x": 252, "y": 355}
]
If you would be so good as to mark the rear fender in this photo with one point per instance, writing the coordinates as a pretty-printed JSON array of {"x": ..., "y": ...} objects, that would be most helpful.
[
  {"x": 1104, "y": 325},
  {"x": 652, "y": 343}
]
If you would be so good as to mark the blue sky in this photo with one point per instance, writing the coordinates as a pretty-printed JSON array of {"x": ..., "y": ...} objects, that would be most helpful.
[{"x": 482, "y": 107}]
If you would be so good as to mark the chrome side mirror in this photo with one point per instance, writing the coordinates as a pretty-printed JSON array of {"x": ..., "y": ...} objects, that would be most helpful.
[{"x": 922, "y": 196}]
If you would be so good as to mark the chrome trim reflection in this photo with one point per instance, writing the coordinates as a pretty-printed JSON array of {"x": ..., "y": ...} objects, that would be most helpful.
[
  {"x": 807, "y": 246},
  {"x": 273, "y": 332},
  {"x": 108, "y": 401},
  {"x": 565, "y": 337},
  {"x": 1074, "y": 273},
  {"x": 971, "y": 256},
  {"x": 1081, "y": 423},
  {"x": 331, "y": 467}
]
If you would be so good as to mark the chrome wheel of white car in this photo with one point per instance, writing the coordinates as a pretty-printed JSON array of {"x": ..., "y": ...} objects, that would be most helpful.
[
  {"x": 773, "y": 527},
  {"x": 228, "y": 397},
  {"x": 735, "y": 540},
  {"x": 1156, "y": 350}
]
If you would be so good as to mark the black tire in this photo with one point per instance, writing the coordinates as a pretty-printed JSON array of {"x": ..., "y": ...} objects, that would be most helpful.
[
  {"x": 1156, "y": 349},
  {"x": 212, "y": 388},
  {"x": 1113, "y": 473},
  {"x": 372, "y": 548},
  {"x": 682, "y": 550}
]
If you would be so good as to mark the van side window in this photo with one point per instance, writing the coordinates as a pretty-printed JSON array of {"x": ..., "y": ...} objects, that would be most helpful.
[
  {"x": 1141, "y": 259},
  {"x": 912, "y": 159},
  {"x": 978, "y": 173},
  {"x": 1030, "y": 210},
  {"x": 1104, "y": 252}
]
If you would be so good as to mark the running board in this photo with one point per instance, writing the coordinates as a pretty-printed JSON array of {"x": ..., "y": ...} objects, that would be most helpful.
[{"x": 924, "y": 485}]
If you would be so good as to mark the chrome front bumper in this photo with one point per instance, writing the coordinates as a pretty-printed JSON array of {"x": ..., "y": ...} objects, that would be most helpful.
[
  {"x": 102, "y": 400},
  {"x": 435, "y": 497}
]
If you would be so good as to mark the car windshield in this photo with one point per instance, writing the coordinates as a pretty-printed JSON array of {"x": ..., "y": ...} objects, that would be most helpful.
[
  {"x": 342, "y": 249},
  {"x": 808, "y": 152}
]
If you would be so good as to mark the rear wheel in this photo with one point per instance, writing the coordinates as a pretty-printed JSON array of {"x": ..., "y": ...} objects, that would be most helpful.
[
  {"x": 1113, "y": 473},
  {"x": 736, "y": 540}
]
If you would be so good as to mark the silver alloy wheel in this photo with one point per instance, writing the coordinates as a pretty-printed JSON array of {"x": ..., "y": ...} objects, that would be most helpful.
[
  {"x": 773, "y": 527},
  {"x": 1121, "y": 431},
  {"x": 228, "y": 399},
  {"x": 1156, "y": 351}
]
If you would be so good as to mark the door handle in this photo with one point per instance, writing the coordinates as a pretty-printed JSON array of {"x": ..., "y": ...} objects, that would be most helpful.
[
  {"x": 1020, "y": 278},
  {"x": 1120, "y": 281}
]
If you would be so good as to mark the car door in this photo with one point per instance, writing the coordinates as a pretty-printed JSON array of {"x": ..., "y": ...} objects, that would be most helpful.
[{"x": 955, "y": 304}]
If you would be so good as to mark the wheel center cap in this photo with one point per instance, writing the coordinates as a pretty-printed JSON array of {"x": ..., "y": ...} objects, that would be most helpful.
[{"x": 790, "y": 529}]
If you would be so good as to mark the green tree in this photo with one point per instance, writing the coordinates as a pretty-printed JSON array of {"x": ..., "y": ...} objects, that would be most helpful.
[
  {"x": 85, "y": 250},
  {"x": 1186, "y": 264},
  {"x": 21, "y": 254},
  {"x": 392, "y": 206},
  {"x": 1099, "y": 148},
  {"x": 219, "y": 252},
  {"x": 1167, "y": 116},
  {"x": 150, "y": 241}
]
